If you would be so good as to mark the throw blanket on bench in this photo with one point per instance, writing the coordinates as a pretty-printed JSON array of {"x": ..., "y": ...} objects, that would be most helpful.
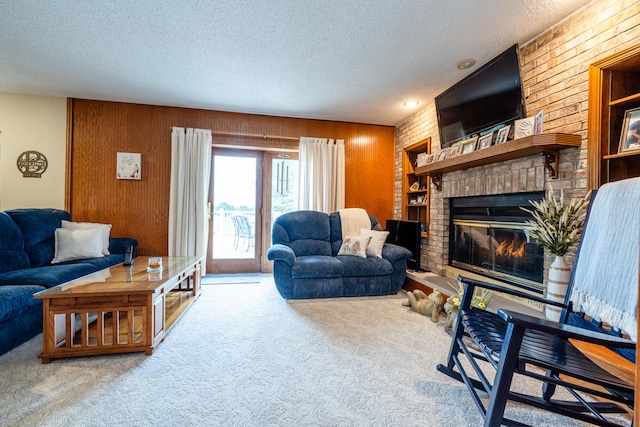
[
  {"x": 603, "y": 260},
  {"x": 353, "y": 219}
]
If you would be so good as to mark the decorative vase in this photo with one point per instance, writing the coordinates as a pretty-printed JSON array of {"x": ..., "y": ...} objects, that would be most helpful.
[{"x": 557, "y": 283}]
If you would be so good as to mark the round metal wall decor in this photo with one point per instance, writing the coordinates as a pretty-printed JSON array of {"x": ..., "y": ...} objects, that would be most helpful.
[{"x": 32, "y": 164}]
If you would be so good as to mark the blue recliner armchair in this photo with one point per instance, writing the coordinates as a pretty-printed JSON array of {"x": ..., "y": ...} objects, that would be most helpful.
[{"x": 306, "y": 264}]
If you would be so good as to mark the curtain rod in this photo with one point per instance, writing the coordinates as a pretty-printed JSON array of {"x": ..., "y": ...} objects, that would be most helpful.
[
  {"x": 256, "y": 148},
  {"x": 253, "y": 135}
]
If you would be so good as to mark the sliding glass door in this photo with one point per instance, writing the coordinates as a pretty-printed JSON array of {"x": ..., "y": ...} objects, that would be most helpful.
[
  {"x": 281, "y": 170},
  {"x": 235, "y": 240},
  {"x": 244, "y": 185}
]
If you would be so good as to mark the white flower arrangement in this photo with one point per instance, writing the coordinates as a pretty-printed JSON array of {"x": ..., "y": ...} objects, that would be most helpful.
[{"x": 555, "y": 225}]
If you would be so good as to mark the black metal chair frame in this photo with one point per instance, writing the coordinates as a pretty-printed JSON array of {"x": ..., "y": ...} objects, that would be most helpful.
[{"x": 513, "y": 342}]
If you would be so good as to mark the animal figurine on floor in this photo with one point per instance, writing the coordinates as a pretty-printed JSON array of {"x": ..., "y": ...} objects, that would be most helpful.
[
  {"x": 430, "y": 305},
  {"x": 451, "y": 307}
]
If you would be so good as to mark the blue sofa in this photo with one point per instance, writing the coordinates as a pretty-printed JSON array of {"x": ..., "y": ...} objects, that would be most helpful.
[
  {"x": 307, "y": 265},
  {"x": 27, "y": 247}
]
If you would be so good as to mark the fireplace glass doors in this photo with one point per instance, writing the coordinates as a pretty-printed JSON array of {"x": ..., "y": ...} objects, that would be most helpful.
[
  {"x": 489, "y": 236},
  {"x": 502, "y": 250}
]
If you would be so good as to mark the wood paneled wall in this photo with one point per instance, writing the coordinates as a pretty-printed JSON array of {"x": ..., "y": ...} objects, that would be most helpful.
[{"x": 97, "y": 130}]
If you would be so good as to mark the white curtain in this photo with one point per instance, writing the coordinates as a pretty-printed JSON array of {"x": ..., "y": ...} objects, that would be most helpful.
[
  {"x": 190, "y": 175},
  {"x": 321, "y": 174}
]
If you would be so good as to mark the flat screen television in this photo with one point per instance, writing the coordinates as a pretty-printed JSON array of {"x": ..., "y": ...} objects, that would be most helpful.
[
  {"x": 489, "y": 97},
  {"x": 406, "y": 234}
]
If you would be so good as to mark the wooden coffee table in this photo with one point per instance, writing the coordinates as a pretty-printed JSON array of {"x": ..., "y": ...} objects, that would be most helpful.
[{"x": 120, "y": 309}]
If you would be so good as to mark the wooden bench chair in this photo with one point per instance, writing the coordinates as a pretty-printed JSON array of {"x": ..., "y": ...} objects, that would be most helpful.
[{"x": 553, "y": 352}]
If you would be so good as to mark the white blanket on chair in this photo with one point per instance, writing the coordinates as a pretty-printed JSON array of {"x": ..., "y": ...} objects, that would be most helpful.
[
  {"x": 352, "y": 220},
  {"x": 606, "y": 272}
]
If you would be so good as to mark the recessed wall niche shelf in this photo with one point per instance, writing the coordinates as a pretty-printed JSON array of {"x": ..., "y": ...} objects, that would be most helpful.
[
  {"x": 546, "y": 144},
  {"x": 415, "y": 203},
  {"x": 614, "y": 88}
]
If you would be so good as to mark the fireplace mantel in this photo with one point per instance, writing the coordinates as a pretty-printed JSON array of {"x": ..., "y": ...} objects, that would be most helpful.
[{"x": 547, "y": 144}]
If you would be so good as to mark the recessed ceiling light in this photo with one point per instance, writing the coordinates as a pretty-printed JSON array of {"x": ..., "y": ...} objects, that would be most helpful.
[
  {"x": 411, "y": 104},
  {"x": 465, "y": 63}
]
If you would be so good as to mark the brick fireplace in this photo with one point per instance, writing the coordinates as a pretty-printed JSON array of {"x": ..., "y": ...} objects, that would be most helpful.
[
  {"x": 525, "y": 176},
  {"x": 489, "y": 236},
  {"x": 555, "y": 79}
]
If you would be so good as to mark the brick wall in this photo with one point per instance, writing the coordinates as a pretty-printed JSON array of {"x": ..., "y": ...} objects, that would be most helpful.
[{"x": 554, "y": 69}]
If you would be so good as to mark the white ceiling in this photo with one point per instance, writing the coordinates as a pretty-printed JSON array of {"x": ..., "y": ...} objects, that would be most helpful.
[{"x": 345, "y": 60}]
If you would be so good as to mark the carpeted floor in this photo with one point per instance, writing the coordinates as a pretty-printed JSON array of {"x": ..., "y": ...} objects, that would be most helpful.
[
  {"x": 231, "y": 279},
  {"x": 243, "y": 356}
]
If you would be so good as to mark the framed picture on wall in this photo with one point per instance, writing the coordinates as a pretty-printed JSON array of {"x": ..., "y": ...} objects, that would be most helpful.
[
  {"x": 502, "y": 134},
  {"x": 630, "y": 135},
  {"x": 485, "y": 141},
  {"x": 128, "y": 166},
  {"x": 468, "y": 145},
  {"x": 454, "y": 150},
  {"x": 523, "y": 127}
]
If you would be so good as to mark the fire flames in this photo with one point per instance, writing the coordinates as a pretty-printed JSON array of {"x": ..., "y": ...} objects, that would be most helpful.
[{"x": 506, "y": 249}]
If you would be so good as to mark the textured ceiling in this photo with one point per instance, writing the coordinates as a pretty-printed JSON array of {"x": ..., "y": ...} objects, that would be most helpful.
[{"x": 344, "y": 60}]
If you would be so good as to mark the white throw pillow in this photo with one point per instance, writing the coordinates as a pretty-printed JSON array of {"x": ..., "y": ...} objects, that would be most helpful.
[
  {"x": 354, "y": 246},
  {"x": 72, "y": 244},
  {"x": 376, "y": 243},
  {"x": 106, "y": 231}
]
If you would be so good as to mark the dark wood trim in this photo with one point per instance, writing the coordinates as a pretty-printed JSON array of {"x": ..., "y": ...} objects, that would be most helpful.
[{"x": 68, "y": 156}]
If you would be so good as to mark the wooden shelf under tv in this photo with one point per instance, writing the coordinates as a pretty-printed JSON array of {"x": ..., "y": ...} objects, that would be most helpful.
[{"x": 547, "y": 144}]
